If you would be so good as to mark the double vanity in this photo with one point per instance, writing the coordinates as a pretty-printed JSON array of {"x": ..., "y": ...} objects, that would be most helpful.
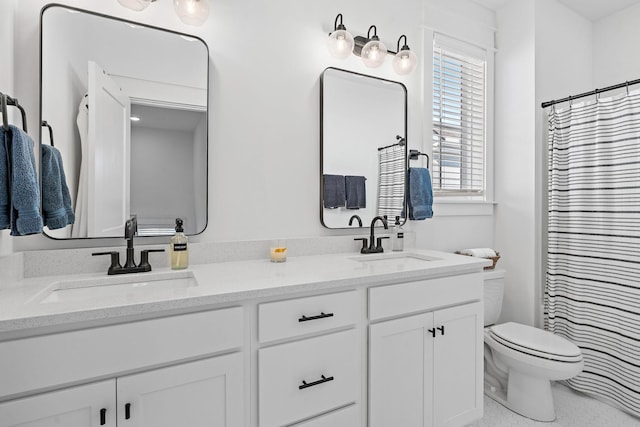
[{"x": 342, "y": 340}]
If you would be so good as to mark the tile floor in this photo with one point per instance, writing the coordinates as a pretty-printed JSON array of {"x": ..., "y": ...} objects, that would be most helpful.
[{"x": 572, "y": 410}]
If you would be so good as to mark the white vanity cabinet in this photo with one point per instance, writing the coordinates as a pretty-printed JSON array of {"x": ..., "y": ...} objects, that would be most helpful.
[
  {"x": 204, "y": 393},
  {"x": 426, "y": 369},
  {"x": 308, "y": 376},
  {"x": 197, "y": 394},
  {"x": 92, "y": 405},
  {"x": 208, "y": 391}
]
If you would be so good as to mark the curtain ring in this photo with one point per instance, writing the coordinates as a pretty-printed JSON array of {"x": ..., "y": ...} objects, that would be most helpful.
[
  {"x": 597, "y": 95},
  {"x": 627, "y": 86},
  {"x": 570, "y": 101}
]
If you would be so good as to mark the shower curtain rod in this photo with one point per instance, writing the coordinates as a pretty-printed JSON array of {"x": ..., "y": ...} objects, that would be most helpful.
[{"x": 593, "y": 92}]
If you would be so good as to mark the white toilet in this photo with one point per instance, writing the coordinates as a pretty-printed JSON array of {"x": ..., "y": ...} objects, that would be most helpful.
[{"x": 521, "y": 361}]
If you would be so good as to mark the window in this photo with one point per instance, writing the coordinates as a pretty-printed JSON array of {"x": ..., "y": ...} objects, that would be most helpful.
[{"x": 459, "y": 87}]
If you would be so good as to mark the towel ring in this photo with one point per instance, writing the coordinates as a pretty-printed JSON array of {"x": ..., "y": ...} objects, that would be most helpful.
[
  {"x": 415, "y": 155},
  {"x": 5, "y": 119},
  {"x": 45, "y": 124},
  {"x": 6, "y": 100}
]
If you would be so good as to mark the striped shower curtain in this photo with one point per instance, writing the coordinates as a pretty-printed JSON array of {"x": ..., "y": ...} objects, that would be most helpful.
[
  {"x": 391, "y": 181},
  {"x": 592, "y": 294}
]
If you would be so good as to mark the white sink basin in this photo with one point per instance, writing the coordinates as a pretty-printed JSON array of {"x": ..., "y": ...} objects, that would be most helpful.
[
  {"x": 398, "y": 260},
  {"x": 161, "y": 285}
]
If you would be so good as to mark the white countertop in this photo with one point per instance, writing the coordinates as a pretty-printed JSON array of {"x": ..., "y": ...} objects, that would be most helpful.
[{"x": 27, "y": 307}]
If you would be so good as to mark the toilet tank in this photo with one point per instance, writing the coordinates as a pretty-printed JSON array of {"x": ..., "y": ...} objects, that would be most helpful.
[{"x": 493, "y": 293}]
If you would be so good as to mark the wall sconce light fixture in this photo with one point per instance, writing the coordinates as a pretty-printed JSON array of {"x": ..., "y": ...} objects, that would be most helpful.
[
  {"x": 191, "y": 12},
  {"x": 372, "y": 51},
  {"x": 340, "y": 40},
  {"x": 405, "y": 60}
]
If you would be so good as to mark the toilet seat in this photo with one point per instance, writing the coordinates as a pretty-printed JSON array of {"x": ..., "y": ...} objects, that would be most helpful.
[{"x": 535, "y": 342}]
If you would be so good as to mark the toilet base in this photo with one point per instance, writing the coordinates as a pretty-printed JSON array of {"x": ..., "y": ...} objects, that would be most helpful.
[
  {"x": 525, "y": 395},
  {"x": 531, "y": 397}
]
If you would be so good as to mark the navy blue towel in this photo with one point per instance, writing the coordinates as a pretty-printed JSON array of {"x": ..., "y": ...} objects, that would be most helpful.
[
  {"x": 24, "y": 192},
  {"x": 420, "y": 198},
  {"x": 5, "y": 195},
  {"x": 56, "y": 201},
  {"x": 333, "y": 193},
  {"x": 356, "y": 191}
]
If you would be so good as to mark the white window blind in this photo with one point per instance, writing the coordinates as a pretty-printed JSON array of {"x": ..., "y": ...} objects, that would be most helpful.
[{"x": 459, "y": 72}]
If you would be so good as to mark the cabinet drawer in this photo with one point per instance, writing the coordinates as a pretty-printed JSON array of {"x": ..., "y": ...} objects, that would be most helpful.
[
  {"x": 52, "y": 360},
  {"x": 404, "y": 298},
  {"x": 345, "y": 417},
  {"x": 283, "y": 396},
  {"x": 290, "y": 318}
]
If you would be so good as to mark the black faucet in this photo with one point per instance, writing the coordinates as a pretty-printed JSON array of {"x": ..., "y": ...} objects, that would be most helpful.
[
  {"x": 356, "y": 217},
  {"x": 130, "y": 230},
  {"x": 371, "y": 249}
]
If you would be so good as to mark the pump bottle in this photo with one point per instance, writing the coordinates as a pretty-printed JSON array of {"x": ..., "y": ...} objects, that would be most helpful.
[
  {"x": 397, "y": 238},
  {"x": 178, "y": 248}
]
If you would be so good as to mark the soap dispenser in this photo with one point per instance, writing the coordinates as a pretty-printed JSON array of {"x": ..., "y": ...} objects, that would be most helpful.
[
  {"x": 397, "y": 238},
  {"x": 178, "y": 248}
]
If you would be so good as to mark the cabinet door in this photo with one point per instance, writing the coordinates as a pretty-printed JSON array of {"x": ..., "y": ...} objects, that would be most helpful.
[
  {"x": 90, "y": 405},
  {"x": 458, "y": 365},
  {"x": 207, "y": 393},
  {"x": 400, "y": 372}
]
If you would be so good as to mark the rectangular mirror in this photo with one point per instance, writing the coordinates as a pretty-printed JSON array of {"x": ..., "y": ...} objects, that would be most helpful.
[
  {"x": 363, "y": 122},
  {"x": 127, "y": 105}
]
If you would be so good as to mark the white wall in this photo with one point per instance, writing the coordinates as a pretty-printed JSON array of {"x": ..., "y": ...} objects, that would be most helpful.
[
  {"x": 544, "y": 52},
  {"x": 514, "y": 156},
  {"x": 615, "y": 59},
  {"x": 266, "y": 60}
]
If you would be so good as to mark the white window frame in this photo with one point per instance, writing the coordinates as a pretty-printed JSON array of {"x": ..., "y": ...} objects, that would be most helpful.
[{"x": 461, "y": 204}]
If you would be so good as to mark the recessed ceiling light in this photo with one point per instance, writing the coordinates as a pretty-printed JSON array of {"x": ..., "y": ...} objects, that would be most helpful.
[{"x": 135, "y": 119}]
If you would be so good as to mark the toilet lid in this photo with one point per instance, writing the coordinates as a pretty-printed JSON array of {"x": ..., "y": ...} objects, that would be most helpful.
[{"x": 536, "y": 342}]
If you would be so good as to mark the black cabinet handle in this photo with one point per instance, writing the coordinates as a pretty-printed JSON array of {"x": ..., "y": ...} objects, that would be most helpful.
[
  {"x": 127, "y": 411},
  {"x": 322, "y": 315},
  {"x": 320, "y": 381},
  {"x": 433, "y": 332},
  {"x": 103, "y": 416},
  {"x": 441, "y": 329}
]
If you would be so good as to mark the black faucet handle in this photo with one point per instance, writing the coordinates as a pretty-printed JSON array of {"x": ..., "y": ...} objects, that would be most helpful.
[
  {"x": 379, "y": 243},
  {"x": 115, "y": 261},
  {"x": 144, "y": 258},
  {"x": 364, "y": 244},
  {"x": 131, "y": 227}
]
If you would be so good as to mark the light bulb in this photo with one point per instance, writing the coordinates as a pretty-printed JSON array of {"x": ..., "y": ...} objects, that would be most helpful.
[
  {"x": 192, "y": 12},
  {"x": 404, "y": 62},
  {"x": 340, "y": 44},
  {"x": 373, "y": 53},
  {"x": 136, "y": 5}
]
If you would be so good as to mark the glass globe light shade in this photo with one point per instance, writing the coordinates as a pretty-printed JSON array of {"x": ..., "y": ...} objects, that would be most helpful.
[
  {"x": 192, "y": 12},
  {"x": 136, "y": 5},
  {"x": 341, "y": 44},
  {"x": 404, "y": 62},
  {"x": 373, "y": 53}
]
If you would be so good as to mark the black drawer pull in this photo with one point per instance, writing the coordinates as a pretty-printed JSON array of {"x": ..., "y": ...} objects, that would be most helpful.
[
  {"x": 322, "y": 315},
  {"x": 103, "y": 416},
  {"x": 441, "y": 329},
  {"x": 127, "y": 411},
  {"x": 320, "y": 381},
  {"x": 433, "y": 332}
]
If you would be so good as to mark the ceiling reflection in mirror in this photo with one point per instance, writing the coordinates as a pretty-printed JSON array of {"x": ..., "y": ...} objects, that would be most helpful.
[
  {"x": 363, "y": 148},
  {"x": 128, "y": 104}
]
